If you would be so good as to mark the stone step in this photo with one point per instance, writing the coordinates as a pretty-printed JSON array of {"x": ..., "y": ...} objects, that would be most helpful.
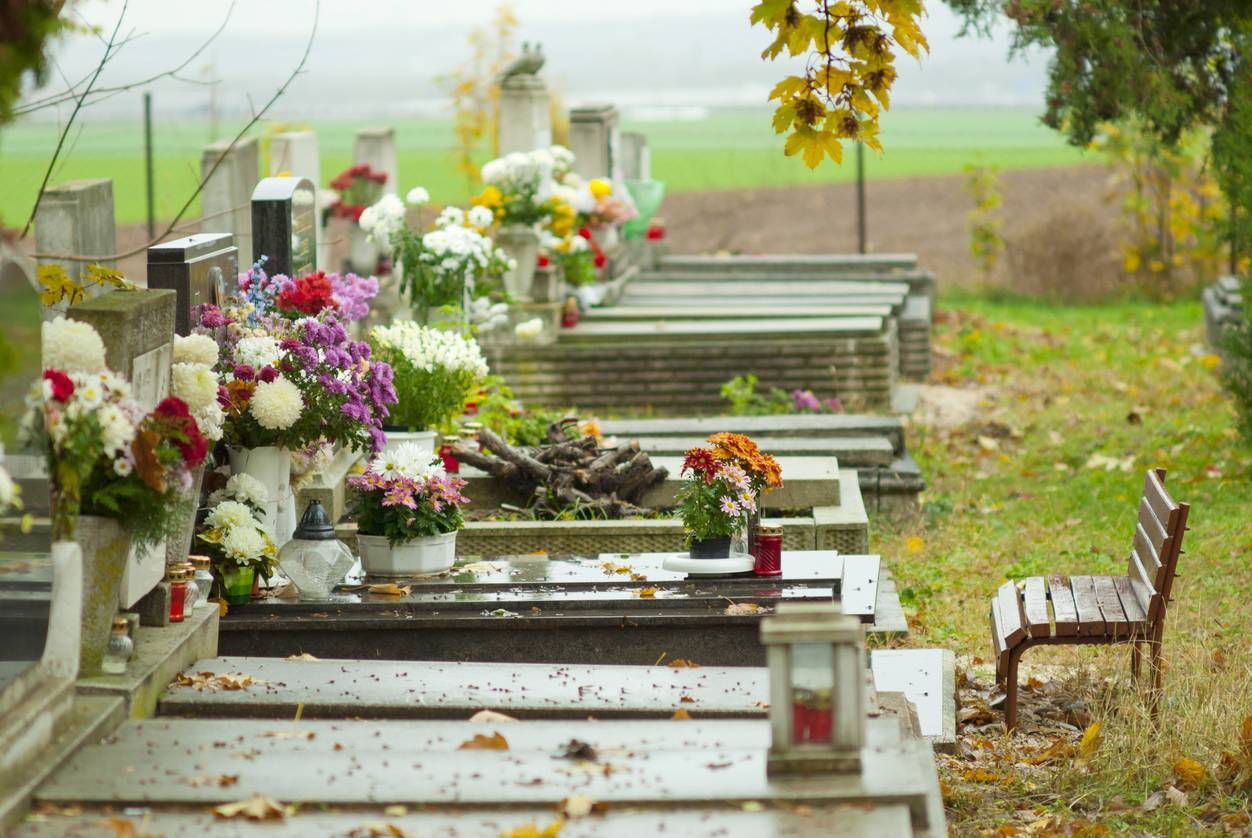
[
  {"x": 851, "y": 451},
  {"x": 789, "y": 262},
  {"x": 727, "y": 329},
  {"x": 437, "y": 690},
  {"x": 834, "y": 291},
  {"x": 734, "y": 309},
  {"x": 818, "y": 425},
  {"x": 693, "y": 764}
]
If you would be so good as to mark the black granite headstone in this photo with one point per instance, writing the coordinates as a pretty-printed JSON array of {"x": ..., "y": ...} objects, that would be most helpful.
[
  {"x": 284, "y": 225},
  {"x": 200, "y": 269}
]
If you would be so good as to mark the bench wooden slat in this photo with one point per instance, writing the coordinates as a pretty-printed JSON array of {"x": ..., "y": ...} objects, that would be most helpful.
[
  {"x": 1012, "y": 621},
  {"x": 1135, "y": 613},
  {"x": 1156, "y": 496},
  {"x": 1063, "y": 609},
  {"x": 1150, "y": 554},
  {"x": 999, "y": 650},
  {"x": 1090, "y": 620},
  {"x": 1035, "y": 600},
  {"x": 1152, "y": 525},
  {"x": 1115, "y": 622},
  {"x": 1142, "y": 585}
]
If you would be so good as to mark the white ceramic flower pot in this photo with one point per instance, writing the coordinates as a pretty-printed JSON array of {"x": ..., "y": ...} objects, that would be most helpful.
[
  {"x": 272, "y": 467},
  {"x": 423, "y": 439},
  {"x": 522, "y": 245},
  {"x": 421, "y": 556}
]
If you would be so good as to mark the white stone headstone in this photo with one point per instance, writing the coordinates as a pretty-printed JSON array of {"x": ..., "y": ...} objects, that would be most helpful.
[
  {"x": 636, "y": 156},
  {"x": 525, "y": 114},
  {"x": 296, "y": 153},
  {"x": 225, "y": 199},
  {"x": 377, "y": 148},
  {"x": 76, "y": 219},
  {"x": 595, "y": 138}
]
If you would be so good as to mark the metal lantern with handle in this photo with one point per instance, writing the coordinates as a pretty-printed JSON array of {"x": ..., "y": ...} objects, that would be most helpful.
[
  {"x": 817, "y": 689},
  {"x": 315, "y": 560}
]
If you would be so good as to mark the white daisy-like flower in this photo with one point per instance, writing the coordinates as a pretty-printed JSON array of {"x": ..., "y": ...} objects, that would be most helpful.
[
  {"x": 116, "y": 428},
  {"x": 529, "y": 329},
  {"x": 243, "y": 544},
  {"x": 257, "y": 352},
  {"x": 195, "y": 384},
  {"x": 122, "y": 467},
  {"x": 246, "y": 488},
  {"x": 71, "y": 346},
  {"x": 195, "y": 349},
  {"x": 276, "y": 404},
  {"x": 230, "y": 514},
  {"x": 481, "y": 217},
  {"x": 417, "y": 196}
]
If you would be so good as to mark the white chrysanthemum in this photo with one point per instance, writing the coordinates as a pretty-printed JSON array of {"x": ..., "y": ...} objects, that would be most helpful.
[
  {"x": 195, "y": 384},
  {"x": 195, "y": 349},
  {"x": 577, "y": 244},
  {"x": 243, "y": 544},
  {"x": 257, "y": 352},
  {"x": 210, "y": 420},
  {"x": 122, "y": 467},
  {"x": 72, "y": 346},
  {"x": 246, "y": 488},
  {"x": 116, "y": 428},
  {"x": 276, "y": 404},
  {"x": 427, "y": 347},
  {"x": 230, "y": 514},
  {"x": 481, "y": 217},
  {"x": 529, "y": 329},
  {"x": 417, "y": 196},
  {"x": 407, "y": 459},
  {"x": 7, "y": 492},
  {"x": 450, "y": 217}
]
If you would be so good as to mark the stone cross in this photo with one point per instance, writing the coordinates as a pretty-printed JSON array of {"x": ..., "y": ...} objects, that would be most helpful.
[
  {"x": 595, "y": 138},
  {"x": 226, "y": 194},
  {"x": 377, "y": 147},
  {"x": 199, "y": 269},
  {"x": 284, "y": 223}
]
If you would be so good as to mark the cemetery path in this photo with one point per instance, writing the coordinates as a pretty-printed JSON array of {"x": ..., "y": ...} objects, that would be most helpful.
[{"x": 922, "y": 215}]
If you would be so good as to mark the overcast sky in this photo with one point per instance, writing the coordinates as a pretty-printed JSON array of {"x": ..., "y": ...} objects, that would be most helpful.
[{"x": 383, "y": 56}]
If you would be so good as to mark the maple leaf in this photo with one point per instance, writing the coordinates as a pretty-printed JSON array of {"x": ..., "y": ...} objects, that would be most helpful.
[
  {"x": 679, "y": 663},
  {"x": 646, "y": 593},
  {"x": 258, "y": 807},
  {"x": 813, "y": 146},
  {"x": 479, "y": 742},
  {"x": 1091, "y": 741}
]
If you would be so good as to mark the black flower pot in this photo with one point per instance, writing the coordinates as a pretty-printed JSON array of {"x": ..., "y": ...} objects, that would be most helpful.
[{"x": 710, "y": 548}]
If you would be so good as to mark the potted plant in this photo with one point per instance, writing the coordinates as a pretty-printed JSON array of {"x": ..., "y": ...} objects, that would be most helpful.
[
  {"x": 434, "y": 373},
  {"x": 239, "y": 549},
  {"x": 408, "y": 511},
  {"x": 119, "y": 476},
  {"x": 761, "y": 469},
  {"x": 714, "y": 502}
]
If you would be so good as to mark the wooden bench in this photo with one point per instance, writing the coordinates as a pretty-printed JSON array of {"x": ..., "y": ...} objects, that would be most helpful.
[{"x": 1096, "y": 609}]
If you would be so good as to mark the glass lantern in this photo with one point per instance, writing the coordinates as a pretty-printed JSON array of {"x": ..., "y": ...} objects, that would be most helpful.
[
  {"x": 817, "y": 689},
  {"x": 315, "y": 560}
]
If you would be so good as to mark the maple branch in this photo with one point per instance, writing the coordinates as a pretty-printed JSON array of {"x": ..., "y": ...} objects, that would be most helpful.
[{"x": 108, "y": 48}]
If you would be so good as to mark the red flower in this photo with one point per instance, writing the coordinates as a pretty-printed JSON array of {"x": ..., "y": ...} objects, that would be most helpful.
[
  {"x": 308, "y": 295},
  {"x": 172, "y": 407},
  {"x": 702, "y": 462},
  {"x": 600, "y": 260},
  {"x": 656, "y": 232},
  {"x": 62, "y": 387},
  {"x": 585, "y": 232},
  {"x": 191, "y": 443},
  {"x": 543, "y": 260}
]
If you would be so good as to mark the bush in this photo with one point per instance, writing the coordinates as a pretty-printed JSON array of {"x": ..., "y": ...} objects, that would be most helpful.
[
  {"x": 1071, "y": 256},
  {"x": 1237, "y": 363}
]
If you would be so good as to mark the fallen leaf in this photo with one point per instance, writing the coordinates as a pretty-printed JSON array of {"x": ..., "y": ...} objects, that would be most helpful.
[
  {"x": 987, "y": 443},
  {"x": 1176, "y": 797},
  {"x": 1059, "y": 748},
  {"x": 482, "y": 567},
  {"x": 686, "y": 699},
  {"x": 752, "y": 806},
  {"x": 1219, "y": 659},
  {"x": 1153, "y": 802},
  {"x": 389, "y": 589},
  {"x": 494, "y": 742},
  {"x": 681, "y": 715},
  {"x": 491, "y": 716},
  {"x": 679, "y": 663},
  {"x": 577, "y": 806},
  {"x": 305, "y": 656},
  {"x": 396, "y": 811},
  {"x": 258, "y": 807},
  {"x": 122, "y": 828},
  {"x": 378, "y": 829},
  {"x": 203, "y": 681},
  {"x": 1189, "y": 772},
  {"x": 645, "y": 593},
  {"x": 578, "y": 749},
  {"x": 739, "y": 609},
  {"x": 532, "y": 830}
]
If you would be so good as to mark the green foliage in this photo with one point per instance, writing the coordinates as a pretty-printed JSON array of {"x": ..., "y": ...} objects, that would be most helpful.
[
  {"x": 744, "y": 400},
  {"x": 699, "y": 505},
  {"x": 1237, "y": 364},
  {"x": 427, "y": 399},
  {"x": 506, "y": 416},
  {"x": 986, "y": 243},
  {"x": 29, "y": 27},
  {"x": 579, "y": 267}
]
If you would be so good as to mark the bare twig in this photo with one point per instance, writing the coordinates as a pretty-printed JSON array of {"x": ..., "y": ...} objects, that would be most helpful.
[
  {"x": 65, "y": 131},
  {"x": 173, "y": 225}
]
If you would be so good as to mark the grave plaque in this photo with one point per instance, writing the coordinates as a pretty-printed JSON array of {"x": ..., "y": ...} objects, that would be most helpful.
[
  {"x": 284, "y": 225},
  {"x": 200, "y": 269}
]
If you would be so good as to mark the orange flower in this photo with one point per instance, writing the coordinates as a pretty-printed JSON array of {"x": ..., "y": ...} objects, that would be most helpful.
[
  {"x": 761, "y": 468},
  {"x": 240, "y": 394}
]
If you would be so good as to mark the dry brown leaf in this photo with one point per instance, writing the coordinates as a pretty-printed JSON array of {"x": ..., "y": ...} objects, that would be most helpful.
[
  {"x": 1189, "y": 773},
  {"x": 481, "y": 567},
  {"x": 742, "y": 608},
  {"x": 289, "y": 734},
  {"x": 258, "y": 807},
  {"x": 1173, "y": 795},
  {"x": 681, "y": 715},
  {"x": 533, "y": 830},
  {"x": 479, "y": 742},
  {"x": 122, "y": 828},
  {"x": 645, "y": 593},
  {"x": 577, "y": 806},
  {"x": 396, "y": 811},
  {"x": 202, "y": 681},
  {"x": 1059, "y": 748},
  {"x": 302, "y": 657},
  {"x": 1091, "y": 741},
  {"x": 680, "y": 663},
  {"x": 490, "y": 717},
  {"x": 222, "y": 780},
  {"x": 378, "y": 829},
  {"x": 389, "y": 589},
  {"x": 686, "y": 699},
  {"x": 982, "y": 775}
]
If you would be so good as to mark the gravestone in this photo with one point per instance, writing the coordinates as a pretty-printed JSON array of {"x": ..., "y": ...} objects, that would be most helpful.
[
  {"x": 76, "y": 219},
  {"x": 224, "y": 199},
  {"x": 284, "y": 225},
  {"x": 137, "y": 328},
  {"x": 377, "y": 148},
  {"x": 525, "y": 116},
  {"x": 596, "y": 140},
  {"x": 636, "y": 156},
  {"x": 200, "y": 269},
  {"x": 296, "y": 153}
]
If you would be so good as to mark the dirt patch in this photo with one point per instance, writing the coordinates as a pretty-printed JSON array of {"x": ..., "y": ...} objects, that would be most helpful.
[
  {"x": 944, "y": 407},
  {"x": 922, "y": 215}
]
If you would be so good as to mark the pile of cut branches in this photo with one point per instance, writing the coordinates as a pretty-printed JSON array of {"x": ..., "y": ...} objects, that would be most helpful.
[{"x": 569, "y": 473}]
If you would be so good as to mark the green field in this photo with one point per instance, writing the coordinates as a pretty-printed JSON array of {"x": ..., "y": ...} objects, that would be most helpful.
[{"x": 726, "y": 150}]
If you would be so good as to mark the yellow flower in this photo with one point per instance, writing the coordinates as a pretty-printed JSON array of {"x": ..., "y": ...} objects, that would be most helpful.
[
  {"x": 600, "y": 188},
  {"x": 491, "y": 197}
]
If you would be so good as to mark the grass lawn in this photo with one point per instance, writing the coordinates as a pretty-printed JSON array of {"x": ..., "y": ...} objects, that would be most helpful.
[
  {"x": 725, "y": 150},
  {"x": 1132, "y": 382}
]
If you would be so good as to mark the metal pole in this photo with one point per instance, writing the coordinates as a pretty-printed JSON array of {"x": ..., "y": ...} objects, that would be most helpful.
[
  {"x": 147, "y": 155},
  {"x": 860, "y": 197}
]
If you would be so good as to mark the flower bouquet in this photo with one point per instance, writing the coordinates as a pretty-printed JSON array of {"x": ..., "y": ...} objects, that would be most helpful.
[
  {"x": 239, "y": 548},
  {"x": 192, "y": 379},
  {"x": 347, "y": 296},
  {"x": 358, "y": 186},
  {"x": 408, "y": 511},
  {"x": 434, "y": 373},
  {"x": 714, "y": 502},
  {"x": 761, "y": 469}
]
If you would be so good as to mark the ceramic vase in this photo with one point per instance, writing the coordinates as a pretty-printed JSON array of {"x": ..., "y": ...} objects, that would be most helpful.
[
  {"x": 105, "y": 547},
  {"x": 423, "y": 439},
  {"x": 272, "y": 467},
  {"x": 522, "y": 244}
]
